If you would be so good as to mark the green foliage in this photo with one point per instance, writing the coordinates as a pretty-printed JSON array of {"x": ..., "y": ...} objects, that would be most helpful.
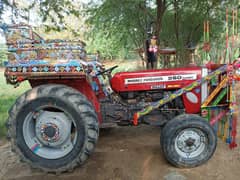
[
  {"x": 6, "y": 103},
  {"x": 51, "y": 12},
  {"x": 116, "y": 26},
  {"x": 183, "y": 25},
  {"x": 55, "y": 11}
]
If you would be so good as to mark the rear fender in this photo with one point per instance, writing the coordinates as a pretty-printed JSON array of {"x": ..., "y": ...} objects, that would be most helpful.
[{"x": 82, "y": 85}]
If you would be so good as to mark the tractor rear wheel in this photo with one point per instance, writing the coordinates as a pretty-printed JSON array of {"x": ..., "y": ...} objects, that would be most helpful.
[
  {"x": 53, "y": 127},
  {"x": 188, "y": 141}
]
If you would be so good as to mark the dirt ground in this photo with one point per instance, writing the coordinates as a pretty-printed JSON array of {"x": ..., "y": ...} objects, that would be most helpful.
[{"x": 129, "y": 153}]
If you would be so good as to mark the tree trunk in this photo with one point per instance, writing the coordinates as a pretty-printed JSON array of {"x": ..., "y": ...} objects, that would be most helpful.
[
  {"x": 176, "y": 19},
  {"x": 176, "y": 29},
  {"x": 161, "y": 7}
]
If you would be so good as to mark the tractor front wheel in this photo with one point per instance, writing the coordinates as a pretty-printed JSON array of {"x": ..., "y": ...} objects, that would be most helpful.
[
  {"x": 188, "y": 141},
  {"x": 53, "y": 127}
]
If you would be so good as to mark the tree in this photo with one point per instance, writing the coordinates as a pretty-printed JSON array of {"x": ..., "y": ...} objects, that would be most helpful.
[
  {"x": 183, "y": 25},
  {"x": 117, "y": 27},
  {"x": 176, "y": 22},
  {"x": 51, "y": 11},
  {"x": 119, "y": 23}
]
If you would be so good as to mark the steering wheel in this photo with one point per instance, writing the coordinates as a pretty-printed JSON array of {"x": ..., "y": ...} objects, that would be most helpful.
[{"x": 107, "y": 70}]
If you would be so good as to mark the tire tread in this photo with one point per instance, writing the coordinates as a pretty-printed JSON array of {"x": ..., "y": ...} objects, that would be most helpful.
[{"x": 82, "y": 105}]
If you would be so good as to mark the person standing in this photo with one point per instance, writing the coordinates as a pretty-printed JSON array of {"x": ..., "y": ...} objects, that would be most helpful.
[
  {"x": 97, "y": 56},
  {"x": 151, "y": 52}
]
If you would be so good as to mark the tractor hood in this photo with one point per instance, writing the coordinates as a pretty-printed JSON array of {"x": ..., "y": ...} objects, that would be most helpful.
[{"x": 155, "y": 79}]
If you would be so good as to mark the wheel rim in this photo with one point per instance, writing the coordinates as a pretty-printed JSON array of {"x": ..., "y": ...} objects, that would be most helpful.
[
  {"x": 190, "y": 142},
  {"x": 49, "y": 132}
]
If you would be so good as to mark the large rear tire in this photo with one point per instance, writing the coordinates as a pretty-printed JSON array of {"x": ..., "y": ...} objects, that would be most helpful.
[
  {"x": 188, "y": 141},
  {"x": 53, "y": 128}
]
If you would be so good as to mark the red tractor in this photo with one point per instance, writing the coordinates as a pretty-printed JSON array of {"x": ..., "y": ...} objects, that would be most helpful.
[{"x": 55, "y": 125}]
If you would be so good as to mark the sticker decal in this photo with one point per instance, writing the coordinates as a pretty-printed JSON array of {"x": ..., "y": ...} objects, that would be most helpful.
[
  {"x": 160, "y": 86},
  {"x": 174, "y": 86},
  {"x": 161, "y": 79}
]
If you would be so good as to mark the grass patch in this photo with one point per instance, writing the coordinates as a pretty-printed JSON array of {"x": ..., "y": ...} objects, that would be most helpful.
[
  {"x": 8, "y": 95},
  {"x": 6, "y": 103}
]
